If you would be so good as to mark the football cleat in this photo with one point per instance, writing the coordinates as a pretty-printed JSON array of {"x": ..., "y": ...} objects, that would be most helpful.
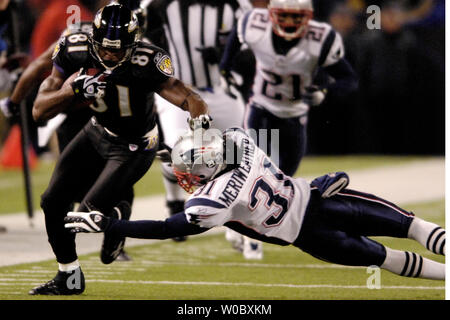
[
  {"x": 252, "y": 249},
  {"x": 112, "y": 246},
  {"x": 236, "y": 239},
  {"x": 123, "y": 256},
  {"x": 64, "y": 283}
]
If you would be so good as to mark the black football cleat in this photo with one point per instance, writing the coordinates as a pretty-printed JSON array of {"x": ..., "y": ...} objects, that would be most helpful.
[
  {"x": 112, "y": 246},
  {"x": 175, "y": 207},
  {"x": 64, "y": 283},
  {"x": 123, "y": 256}
]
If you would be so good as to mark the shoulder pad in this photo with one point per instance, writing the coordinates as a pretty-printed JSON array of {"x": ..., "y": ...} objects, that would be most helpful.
[
  {"x": 71, "y": 51},
  {"x": 237, "y": 135},
  {"x": 147, "y": 55},
  {"x": 317, "y": 31},
  {"x": 253, "y": 25}
]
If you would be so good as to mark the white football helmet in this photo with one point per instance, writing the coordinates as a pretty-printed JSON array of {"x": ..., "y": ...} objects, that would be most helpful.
[
  {"x": 290, "y": 17},
  {"x": 198, "y": 157}
]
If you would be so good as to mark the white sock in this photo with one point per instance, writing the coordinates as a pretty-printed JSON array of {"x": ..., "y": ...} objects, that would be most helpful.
[
  {"x": 68, "y": 266},
  {"x": 409, "y": 264},
  {"x": 428, "y": 234}
]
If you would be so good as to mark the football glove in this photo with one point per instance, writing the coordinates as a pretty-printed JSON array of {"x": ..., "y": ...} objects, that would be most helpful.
[
  {"x": 92, "y": 222},
  {"x": 202, "y": 121},
  {"x": 314, "y": 95},
  {"x": 89, "y": 87},
  {"x": 330, "y": 184},
  {"x": 229, "y": 84},
  {"x": 9, "y": 108}
]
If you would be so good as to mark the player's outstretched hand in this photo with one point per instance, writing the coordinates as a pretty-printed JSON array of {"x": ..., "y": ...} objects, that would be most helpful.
[
  {"x": 93, "y": 222},
  {"x": 330, "y": 184},
  {"x": 202, "y": 121},
  {"x": 89, "y": 87},
  {"x": 314, "y": 95}
]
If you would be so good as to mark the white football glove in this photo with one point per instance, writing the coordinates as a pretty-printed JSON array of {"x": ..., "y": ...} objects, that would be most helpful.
[
  {"x": 89, "y": 87},
  {"x": 9, "y": 109},
  {"x": 92, "y": 222},
  {"x": 313, "y": 95},
  {"x": 202, "y": 121}
]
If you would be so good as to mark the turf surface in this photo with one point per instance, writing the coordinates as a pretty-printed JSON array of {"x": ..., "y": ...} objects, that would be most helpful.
[{"x": 207, "y": 268}]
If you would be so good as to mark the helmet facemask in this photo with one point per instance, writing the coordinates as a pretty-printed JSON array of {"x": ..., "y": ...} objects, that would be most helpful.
[
  {"x": 197, "y": 162},
  {"x": 290, "y": 18}
]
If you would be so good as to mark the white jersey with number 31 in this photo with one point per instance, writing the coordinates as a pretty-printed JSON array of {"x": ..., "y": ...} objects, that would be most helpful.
[
  {"x": 281, "y": 79},
  {"x": 255, "y": 194}
]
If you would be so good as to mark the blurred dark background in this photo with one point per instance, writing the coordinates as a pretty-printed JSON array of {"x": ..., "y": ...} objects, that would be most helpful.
[
  {"x": 398, "y": 109},
  {"x": 400, "y": 105}
]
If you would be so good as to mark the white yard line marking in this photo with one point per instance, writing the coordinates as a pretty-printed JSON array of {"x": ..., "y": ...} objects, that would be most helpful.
[{"x": 239, "y": 284}]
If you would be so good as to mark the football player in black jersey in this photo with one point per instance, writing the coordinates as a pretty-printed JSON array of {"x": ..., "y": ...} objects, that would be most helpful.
[
  {"x": 117, "y": 147},
  {"x": 74, "y": 121}
]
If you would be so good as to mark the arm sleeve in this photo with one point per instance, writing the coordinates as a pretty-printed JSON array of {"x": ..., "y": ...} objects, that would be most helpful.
[
  {"x": 332, "y": 49},
  {"x": 231, "y": 49},
  {"x": 175, "y": 226},
  {"x": 345, "y": 78}
]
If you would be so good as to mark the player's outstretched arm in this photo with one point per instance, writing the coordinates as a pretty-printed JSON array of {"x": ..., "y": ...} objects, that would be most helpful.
[
  {"x": 32, "y": 74},
  {"x": 95, "y": 221},
  {"x": 175, "y": 91},
  {"x": 52, "y": 97}
]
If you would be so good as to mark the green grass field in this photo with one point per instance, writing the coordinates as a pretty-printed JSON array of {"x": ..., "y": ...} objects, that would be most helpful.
[{"x": 207, "y": 268}]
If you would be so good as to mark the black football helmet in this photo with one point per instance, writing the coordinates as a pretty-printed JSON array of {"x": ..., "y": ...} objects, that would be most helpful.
[
  {"x": 139, "y": 8},
  {"x": 115, "y": 30}
]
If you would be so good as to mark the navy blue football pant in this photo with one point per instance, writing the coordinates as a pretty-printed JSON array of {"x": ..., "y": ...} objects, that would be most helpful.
[
  {"x": 292, "y": 136},
  {"x": 336, "y": 229},
  {"x": 96, "y": 168}
]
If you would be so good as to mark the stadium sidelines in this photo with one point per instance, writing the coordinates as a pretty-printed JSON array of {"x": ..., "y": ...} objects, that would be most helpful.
[{"x": 417, "y": 181}]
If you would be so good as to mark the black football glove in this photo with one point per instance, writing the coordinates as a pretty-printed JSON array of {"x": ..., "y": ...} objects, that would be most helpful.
[
  {"x": 92, "y": 222},
  {"x": 202, "y": 121},
  {"x": 330, "y": 184},
  {"x": 314, "y": 95},
  {"x": 89, "y": 87}
]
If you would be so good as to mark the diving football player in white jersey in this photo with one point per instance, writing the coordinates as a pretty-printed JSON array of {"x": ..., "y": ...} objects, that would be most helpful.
[{"x": 241, "y": 188}]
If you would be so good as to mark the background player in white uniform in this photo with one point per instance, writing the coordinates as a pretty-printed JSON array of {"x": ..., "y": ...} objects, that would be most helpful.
[
  {"x": 194, "y": 33},
  {"x": 241, "y": 188},
  {"x": 289, "y": 48}
]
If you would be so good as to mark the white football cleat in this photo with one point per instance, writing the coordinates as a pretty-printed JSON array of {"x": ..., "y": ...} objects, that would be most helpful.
[
  {"x": 236, "y": 239},
  {"x": 253, "y": 249}
]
